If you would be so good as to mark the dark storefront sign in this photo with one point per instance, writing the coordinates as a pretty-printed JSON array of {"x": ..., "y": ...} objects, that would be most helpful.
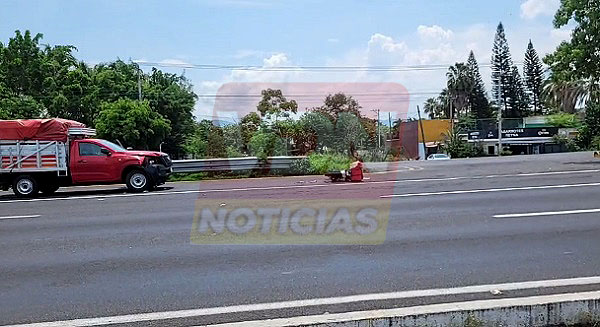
[{"x": 514, "y": 133}]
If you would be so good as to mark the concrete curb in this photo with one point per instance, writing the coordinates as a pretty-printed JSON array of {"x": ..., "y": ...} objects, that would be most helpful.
[{"x": 538, "y": 311}]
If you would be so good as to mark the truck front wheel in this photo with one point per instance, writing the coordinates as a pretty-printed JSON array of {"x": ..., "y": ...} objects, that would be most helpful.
[
  {"x": 25, "y": 186},
  {"x": 137, "y": 181}
]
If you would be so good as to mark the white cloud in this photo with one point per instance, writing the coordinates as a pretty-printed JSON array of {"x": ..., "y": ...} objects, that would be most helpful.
[
  {"x": 276, "y": 60},
  {"x": 560, "y": 35},
  {"x": 268, "y": 71},
  {"x": 333, "y": 40},
  {"x": 387, "y": 44},
  {"x": 434, "y": 32},
  {"x": 530, "y": 9}
]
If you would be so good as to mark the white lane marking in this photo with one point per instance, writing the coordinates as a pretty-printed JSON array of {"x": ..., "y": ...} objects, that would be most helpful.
[
  {"x": 266, "y": 188},
  {"x": 151, "y": 316},
  {"x": 20, "y": 217},
  {"x": 420, "y": 310},
  {"x": 508, "y": 189},
  {"x": 548, "y": 213}
]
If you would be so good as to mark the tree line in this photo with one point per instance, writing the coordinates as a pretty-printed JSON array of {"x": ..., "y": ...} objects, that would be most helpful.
[
  {"x": 152, "y": 110},
  {"x": 514, "y": 95},
  {"x": 39, "y": 81},
  {"x": 337, "y": 126},
  {"x": 567, "y": 89}
]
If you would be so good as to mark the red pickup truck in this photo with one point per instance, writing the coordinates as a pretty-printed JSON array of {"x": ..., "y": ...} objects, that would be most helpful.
[{"x": 43, "y": 155}]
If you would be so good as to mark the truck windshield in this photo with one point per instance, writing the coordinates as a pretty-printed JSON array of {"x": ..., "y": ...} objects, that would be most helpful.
[{"x": 112, "y": 146}]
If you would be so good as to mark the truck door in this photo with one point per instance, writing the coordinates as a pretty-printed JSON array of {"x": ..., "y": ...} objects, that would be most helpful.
[{"x": 91, "y": 164}]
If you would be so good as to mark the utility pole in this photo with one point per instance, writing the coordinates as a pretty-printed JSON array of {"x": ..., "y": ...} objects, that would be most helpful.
[
  {"x": 449, "y": 99},
  {"x": 378, "y": 132},
  {"x": 499, "y": 131},
  {"x": 422, "y": 134},
  {"x": 139, "y": 85},
  {"x": 377, "y": 129},
  {"x": 390, "y": 126}
]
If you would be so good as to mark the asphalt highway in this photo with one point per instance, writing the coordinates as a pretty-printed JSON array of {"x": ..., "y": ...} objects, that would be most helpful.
[{"x": 91, "y": 252}]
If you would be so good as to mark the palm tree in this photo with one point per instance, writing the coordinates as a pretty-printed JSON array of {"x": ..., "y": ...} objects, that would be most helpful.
[
  {"x": 568, "y": 95},
  {"x": 437, "y": 108},
  {"x": 460, "y": 84},
  {"x": 430, "y": 107}
]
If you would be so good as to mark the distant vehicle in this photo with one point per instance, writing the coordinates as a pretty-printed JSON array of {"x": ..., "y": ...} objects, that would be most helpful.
[
  {"x": 43, "y": 155},
  {"x": 438, "y": 156}
]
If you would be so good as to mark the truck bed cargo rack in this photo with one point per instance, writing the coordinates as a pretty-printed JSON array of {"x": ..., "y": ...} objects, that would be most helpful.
[
  {"x": 82, "y": 131},
  {"x": 33, "y": 156}
]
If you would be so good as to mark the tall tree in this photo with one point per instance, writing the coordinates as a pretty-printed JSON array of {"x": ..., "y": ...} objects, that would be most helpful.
[
  {"x": 338, "y": 103},
  {"x": 248, "y": 127},
  {"x": 480, "y": 105},
  {"x": 133, "y": 123},
  {"x": 533, "y": 72},
  {"x": 173, "y": 97},
  {"x": 575, "y": 64},
  {"x": 578, "y": 58},
  {"x": 349, "y": 133},
  {"x": 274, "y": 105},
  {"x": 21, "y": 64},
  {"x": 46, "y": 78},
  {"x": 320, "y": 129},
  {"x": 502, "y": 73},
  {"x": 518, "y": 100}
]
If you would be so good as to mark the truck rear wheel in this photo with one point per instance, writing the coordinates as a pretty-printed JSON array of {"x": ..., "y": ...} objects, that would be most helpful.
[
  {"x": 25, "y": 186},
  {"x": 137, "y": 181}
]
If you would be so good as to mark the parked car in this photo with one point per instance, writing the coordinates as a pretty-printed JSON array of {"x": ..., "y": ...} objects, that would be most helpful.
[
  {"x": 438, "y": 156},
  {"x": 43, "y": 155}
]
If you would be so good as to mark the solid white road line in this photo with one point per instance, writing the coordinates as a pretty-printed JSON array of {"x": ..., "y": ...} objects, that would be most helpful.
[
  {"x": 507, "y": 189},
  {"x": 152, "y": 316},
  {"x": 548, "y": 213},
  {"x": 267, "y": 188},
  {"x": 421, "y": 310},
  {"x": 20, "y": 217}
]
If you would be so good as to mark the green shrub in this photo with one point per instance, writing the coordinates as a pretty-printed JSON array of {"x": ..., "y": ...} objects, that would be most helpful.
[
  {"x": 563, "y": 120},
  {"x": 301, "y": 167},
  {"x": 234, "y": 152},
  {"x": 267, "y": 144},
  {"x": 322, "y": 163},
  {"x": 591, "y": 127},
  {"x": 178, "y": 177}
]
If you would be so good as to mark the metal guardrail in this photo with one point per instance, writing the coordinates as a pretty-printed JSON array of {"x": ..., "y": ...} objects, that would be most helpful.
[{"x": 232, "y": 164}]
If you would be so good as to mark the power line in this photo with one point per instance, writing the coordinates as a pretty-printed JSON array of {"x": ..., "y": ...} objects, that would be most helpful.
[{"x": 391, "y": 68}]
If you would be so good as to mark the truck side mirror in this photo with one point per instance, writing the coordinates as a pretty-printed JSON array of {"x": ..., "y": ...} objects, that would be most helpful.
[{"x": 105, "y": 152}]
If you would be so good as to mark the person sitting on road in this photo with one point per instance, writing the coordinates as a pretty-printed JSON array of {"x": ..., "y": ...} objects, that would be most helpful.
[{"x": 356, "y": 169}]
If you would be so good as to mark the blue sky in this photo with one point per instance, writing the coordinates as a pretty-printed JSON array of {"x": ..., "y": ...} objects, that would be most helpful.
[{"x": 288, "y": 33}]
